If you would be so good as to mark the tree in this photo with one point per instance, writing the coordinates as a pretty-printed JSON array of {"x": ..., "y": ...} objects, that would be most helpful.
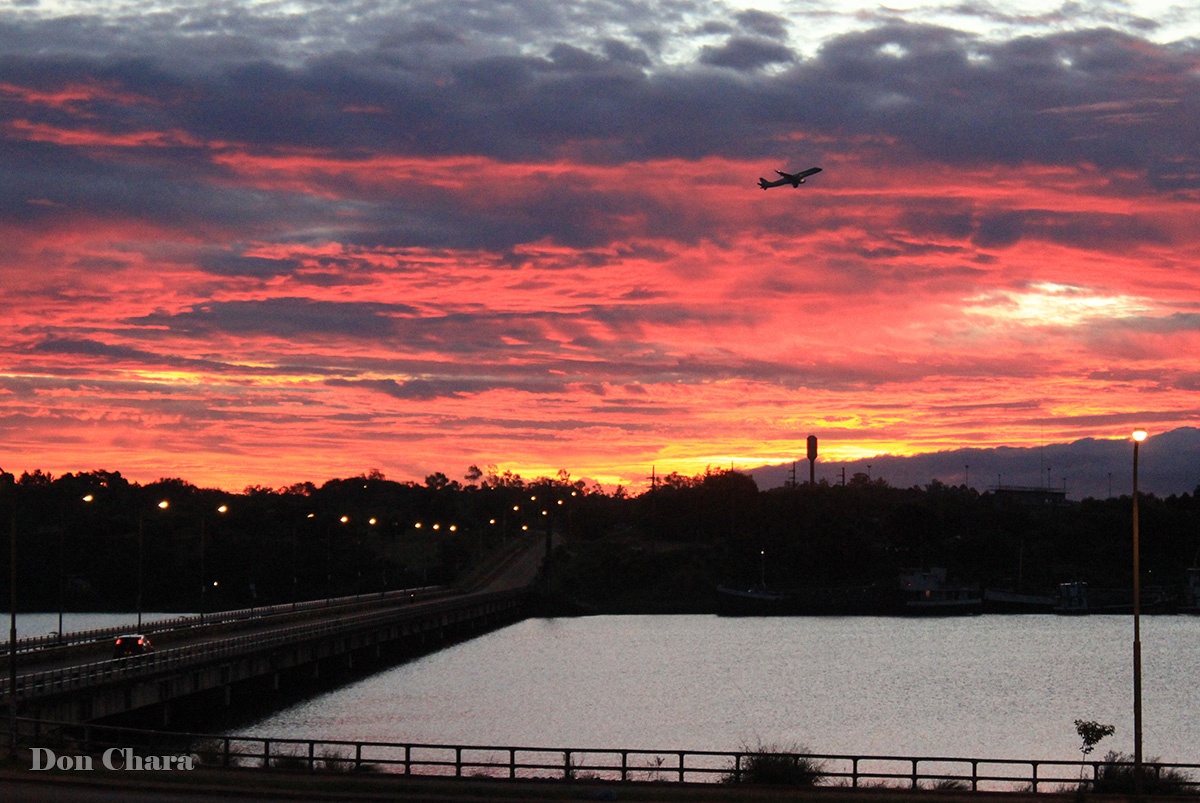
[{"x": 1091, "y": 733}]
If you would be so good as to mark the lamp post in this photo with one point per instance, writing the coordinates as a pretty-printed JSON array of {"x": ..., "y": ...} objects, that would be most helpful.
[
  {"x": 222, "y": 509},
  {"x": 12, "y": 630},
  {"x": 1139, "y": 435},
  {"x": 163, "y": 505}
]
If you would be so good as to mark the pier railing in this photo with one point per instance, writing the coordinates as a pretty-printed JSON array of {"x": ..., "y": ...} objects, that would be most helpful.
[{"x": 612, "y": 765}]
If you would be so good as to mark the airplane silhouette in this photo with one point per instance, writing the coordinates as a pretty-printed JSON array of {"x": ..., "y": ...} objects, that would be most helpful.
[{"x": 795, "y": 179}]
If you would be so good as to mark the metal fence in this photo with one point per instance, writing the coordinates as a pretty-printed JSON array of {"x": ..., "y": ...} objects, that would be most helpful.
[{"x": 614, "y": 765}]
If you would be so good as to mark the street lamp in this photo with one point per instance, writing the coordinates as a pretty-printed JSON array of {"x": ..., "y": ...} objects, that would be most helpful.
[
  {"x": 163, "y": 505},
  {"x": 203, "y": 581},
  {"x": 1139, "y": 435}
]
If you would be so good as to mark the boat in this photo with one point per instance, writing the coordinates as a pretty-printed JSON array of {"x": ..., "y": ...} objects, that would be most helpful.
[
  {"x": 1000, "y": 600},
  {"x": 1191, "y": 592},
  {"x": 929, "y": 593},
  {"x": 1076, "y": 598}
]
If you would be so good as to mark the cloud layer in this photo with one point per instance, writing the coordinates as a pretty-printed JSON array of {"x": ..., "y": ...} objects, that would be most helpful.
[{"x": 272, "y": 242}]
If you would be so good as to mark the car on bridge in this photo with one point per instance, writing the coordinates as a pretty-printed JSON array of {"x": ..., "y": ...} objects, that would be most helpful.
[{"x": 132, "y": 645}]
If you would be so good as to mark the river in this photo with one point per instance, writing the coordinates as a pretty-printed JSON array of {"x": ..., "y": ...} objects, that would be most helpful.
[{"x": 982, "y": 686}]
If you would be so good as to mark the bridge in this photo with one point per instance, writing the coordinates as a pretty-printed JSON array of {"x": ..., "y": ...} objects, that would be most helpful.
[{"x": 210, "y": 663}]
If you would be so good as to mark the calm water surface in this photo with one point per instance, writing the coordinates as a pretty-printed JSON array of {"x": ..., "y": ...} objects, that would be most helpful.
[{"x": 987, "y": 686}]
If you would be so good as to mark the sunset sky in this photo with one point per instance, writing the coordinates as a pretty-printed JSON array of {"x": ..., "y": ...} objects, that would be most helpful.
[{"x": 263, "y": 242}]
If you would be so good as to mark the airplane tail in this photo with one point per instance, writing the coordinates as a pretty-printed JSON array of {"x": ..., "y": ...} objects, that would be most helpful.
[{"x": 762, "y": 182}]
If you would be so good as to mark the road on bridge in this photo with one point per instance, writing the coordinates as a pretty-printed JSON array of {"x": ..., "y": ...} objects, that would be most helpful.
[{"x": 519, "y": 570}]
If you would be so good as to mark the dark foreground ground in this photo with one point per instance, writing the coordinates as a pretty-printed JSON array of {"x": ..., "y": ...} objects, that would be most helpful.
[{"x": 246, "y": 786}]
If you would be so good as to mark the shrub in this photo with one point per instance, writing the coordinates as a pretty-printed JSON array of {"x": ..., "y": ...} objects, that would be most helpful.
[
  {"x": 770, "y": 765},
  {"x": 1116, "y": 776},
  {"x": 334, "y": 760},
  {"x": 289, "y": 761}
]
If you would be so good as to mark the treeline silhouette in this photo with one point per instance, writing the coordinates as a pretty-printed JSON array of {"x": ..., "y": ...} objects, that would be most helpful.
[{"x": 81, "y": 538}]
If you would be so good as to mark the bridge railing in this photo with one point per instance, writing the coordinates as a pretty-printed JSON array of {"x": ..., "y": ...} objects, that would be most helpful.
[
  {"x": 624, "y": 765},
  {"x": 151, "y": 627},
  {"x": 81, "y": 675}
]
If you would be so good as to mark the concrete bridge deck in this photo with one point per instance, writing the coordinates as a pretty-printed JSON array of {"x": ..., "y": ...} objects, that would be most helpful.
[{"x": 209, "y": 663}]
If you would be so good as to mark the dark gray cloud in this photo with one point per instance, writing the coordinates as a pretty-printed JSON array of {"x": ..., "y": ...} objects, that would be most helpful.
[
  {"x": 746, "y": 53},
  {"x": 287, "y": 318},
  {"x": 1096, "y": 96}
]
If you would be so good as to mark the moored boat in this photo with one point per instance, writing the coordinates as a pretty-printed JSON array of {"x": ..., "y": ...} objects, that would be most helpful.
[{"x": 929, "y": 593}]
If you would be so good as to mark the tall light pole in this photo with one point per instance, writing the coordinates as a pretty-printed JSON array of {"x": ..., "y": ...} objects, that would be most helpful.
[
  {"x": 1139, "y": 435},
  {"x": 12, "y": 629},
  {"x": 163, "y": 505},
  {"x": 203, "y": 577}
]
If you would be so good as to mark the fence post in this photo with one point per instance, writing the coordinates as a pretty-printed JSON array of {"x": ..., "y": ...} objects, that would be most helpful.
[
  {"x": 624, "y": 765},
  {"x": 312, "y": 763},
  {"x": 266, "y": 754},
  {"x": 458, "y": 762},
  {"x": 225, "y": 759},
  {"x": 512, "y": 762},
  {"x": 854, "y": 772},
  {"x": 974, "y": 775},
  {"x": 681, "y": 760},
  {"x": 358, "y": 757},
  {"x": 916, "y": 784},
  {"x": 1034, "y": 780}
]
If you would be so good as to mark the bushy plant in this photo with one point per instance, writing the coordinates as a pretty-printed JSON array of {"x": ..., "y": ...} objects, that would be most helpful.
[
  {"x": 290, "y": 761},
  {"x": 774, "y": 766},
  {"x": 1116, "y": 776},
  {"x": 334, "y": 760}
]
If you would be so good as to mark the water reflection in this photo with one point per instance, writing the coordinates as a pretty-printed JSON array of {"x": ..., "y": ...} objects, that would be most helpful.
[{"x": 988, "y": 686}]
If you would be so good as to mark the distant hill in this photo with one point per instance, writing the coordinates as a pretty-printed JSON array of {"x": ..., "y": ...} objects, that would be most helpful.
[{"x": 1168, "y": 463}]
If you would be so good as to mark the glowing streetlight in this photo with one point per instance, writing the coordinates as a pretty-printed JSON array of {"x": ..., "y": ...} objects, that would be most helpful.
[
  {"x": 1139, "y": 435},
  {"x": 163, "y": 505},
  {"x": 222, "y": 509}
]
